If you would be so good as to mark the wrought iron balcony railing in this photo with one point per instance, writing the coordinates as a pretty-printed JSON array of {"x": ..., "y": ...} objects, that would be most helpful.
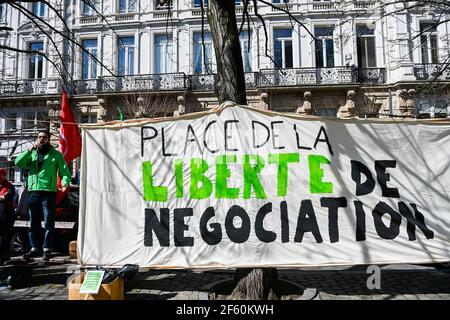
[
  {"x": 143, "y": 82},
  {"x": 306, "y": 76},
  {"x": 23, "y": 87},
  {"x": 206, "y": 81},
  {"x": 432, "y": 71},
  {"x": 371, "y": 75},
  {"x": 86, "y": 86}
]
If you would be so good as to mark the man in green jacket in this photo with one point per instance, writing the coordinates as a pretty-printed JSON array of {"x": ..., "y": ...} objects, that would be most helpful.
[{"x": 43, "y": 162}]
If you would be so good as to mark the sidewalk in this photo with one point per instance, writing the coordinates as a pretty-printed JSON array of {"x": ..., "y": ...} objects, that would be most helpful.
[{"x": 398, "y": 282}]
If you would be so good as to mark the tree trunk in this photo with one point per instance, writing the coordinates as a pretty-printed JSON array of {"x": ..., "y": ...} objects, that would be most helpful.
[
  {"x": 252, "y": 284},
  {"x": 256, "y": 284},
  {"x": 230, "y": 83}
]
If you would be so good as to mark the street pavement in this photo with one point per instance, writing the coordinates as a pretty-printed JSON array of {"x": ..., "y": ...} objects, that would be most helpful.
[{"x": 396, "y": 282}]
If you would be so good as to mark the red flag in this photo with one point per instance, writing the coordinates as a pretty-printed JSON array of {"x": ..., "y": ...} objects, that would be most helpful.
[{"x": 69, "y": 138}]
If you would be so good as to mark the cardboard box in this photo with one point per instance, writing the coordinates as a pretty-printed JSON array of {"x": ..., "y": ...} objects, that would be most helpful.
[
  {"x": 108, "y": 291},
  {"x": 73, "y": 249}
]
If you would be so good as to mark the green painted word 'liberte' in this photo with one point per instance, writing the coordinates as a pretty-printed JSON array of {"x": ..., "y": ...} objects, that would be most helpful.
[{"x": 201, "y": 186}]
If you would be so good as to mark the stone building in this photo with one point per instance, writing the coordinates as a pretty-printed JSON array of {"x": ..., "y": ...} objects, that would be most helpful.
[{"x": 146, "y": 59}]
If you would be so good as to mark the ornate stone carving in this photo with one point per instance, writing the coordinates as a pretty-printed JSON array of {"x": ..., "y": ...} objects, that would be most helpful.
[
  {"x": 181, "y": 108},
  {"x": 348, "y": 110},
  {"x": 306, "y": 107},
  {"x": 264, "y": 104},
  {"x": 405, "y": 102}
]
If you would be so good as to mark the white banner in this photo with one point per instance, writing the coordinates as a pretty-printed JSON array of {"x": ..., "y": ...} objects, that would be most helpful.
[{"x": 240, "y": 187}]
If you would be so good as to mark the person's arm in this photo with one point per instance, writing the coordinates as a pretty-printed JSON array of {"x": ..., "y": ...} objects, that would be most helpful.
[
  {"x": 9, "y": 194},
  {"x": 23, "y": 160},
  {"x": 63, "y": 170}
]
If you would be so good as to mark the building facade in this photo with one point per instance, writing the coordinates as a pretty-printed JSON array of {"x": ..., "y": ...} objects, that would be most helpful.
[{"x": 150, "y": 58}]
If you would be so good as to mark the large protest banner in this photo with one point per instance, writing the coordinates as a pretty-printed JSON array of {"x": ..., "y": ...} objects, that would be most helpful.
[{"x": 241, "y": 187}]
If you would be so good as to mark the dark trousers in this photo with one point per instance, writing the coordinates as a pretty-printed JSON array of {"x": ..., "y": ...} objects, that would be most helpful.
[
  {"x": 6, "y": 225},
  {"x": 41, "y": 204}
]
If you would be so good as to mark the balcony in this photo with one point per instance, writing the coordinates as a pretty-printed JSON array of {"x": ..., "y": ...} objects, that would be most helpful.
[
  {"x": 201, "y": 82},
  {"x": 145, "y": 82},
  {"x": 432, "y": 71},
  {"x": 306, "y": 76},
  {"x": 23, "y": 87},
  {"x": 371, "y": 75},
  {"x": 206, "y": 81},
  {"x": 321, "y": 6},
  {"x": 364, "y": 4},
  {"x": 126, "y": 16},
  {"x": 86, "y": 20},
  {"x": 88, "y": 86}
]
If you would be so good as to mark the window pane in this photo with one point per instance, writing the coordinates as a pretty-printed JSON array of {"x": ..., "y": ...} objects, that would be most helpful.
[
  {"x": 93, "y": 64},
  {"x": 246, "y": 54},
  {"x": 28, "y": 120},
  {"x": 371, "y": 53},
  {"x": 282, "y": 37},
  {"x": 288, "y": 54},
  {"x": 282, "y": 33},
  {"x": 277, "y": 54},
  {"x": 197, "y": 3},
  {"x": 323, "y": 31},
  {"x": 319, "y": 53},
  {"x": 11, "y": 121},
  {"x": 36, "y": 61},
  {"x": 126, "y": 55},
  {"x": 428, "y": 27},
  {"x": 364, "y": 31},
  {"x": 326, "y": 112},
  {"x": 330, "y": 53},
  {"x": 164, "y": 54},
  {"x": 359, "y": 45},
  {"x": 130, "y": 61},
  {"x": 434, "y": 49},
  {"x": 132, "y": 6},
  {"x": 122, "y": 6},
  {"x": 424, "y": 49},
  {"x": 198, "y": 52},
  {"x": 89, "y": 70}
]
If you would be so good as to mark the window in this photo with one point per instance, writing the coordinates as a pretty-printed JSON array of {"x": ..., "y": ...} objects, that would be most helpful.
[
  {"x": 429, "y": 43},
  {"x": 90, "y": 7},
  {"x": 88, "y": 118},
  {"x": 283, "y": 48},
  {"x": 162, "y": 4},
  {"x": 365, "y": 46},
  {"x": 28, "y": 120},
  {"x": 42, "y": 120},
  {"x": 326, "y": 112},
  {"x": 11, "y": 121},
  {"x": 245, "y": 38},
  {"x": 163, "y": 54},
  {"x": 202, "y": 54},
  {"x": 197, "y": 3},
  {"x": 39, "y": 9},
  {"x": 126, "y": 55},
  {"x": 36, "y": 61},
  {"x": 89, "y": 69},
  {"x": 324, "y": 47},
  {"x": 2, "y": 13},
  {"x": 127, "y": 6}
]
